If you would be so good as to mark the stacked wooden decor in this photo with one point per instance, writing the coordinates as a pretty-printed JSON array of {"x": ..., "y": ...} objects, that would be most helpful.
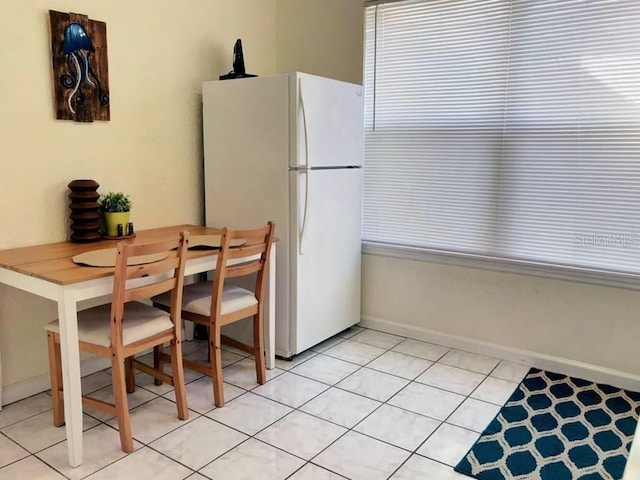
[{"x": 85, "y": 214}]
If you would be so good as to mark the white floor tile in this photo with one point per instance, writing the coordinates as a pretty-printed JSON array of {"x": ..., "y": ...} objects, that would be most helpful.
[
  {"x": 354, "y": 352},
  {"x": 296, "y": 360},
  {"x": 380, "y": 445},
  {"x": 38, "y": 432},
  {"x": 200, "y": 394},
  {"x": 428, "y": 351},
  {"x": 202, "y": 355},
  {"x": 338, "y": 406},
  {"x": 513, "y": 372},
  {"x": 494, "y": 390},
  {"x": 452, "y": 379},
  {"x": 330, "y": 342},
  {"x": 154, "y": 419},
  {"x": 243, "y": 374},
  {"x": 470, "y": 361},
  {"x": 190, "y": 346},
  {"x": 399, "y": 364},
  {"x": 426, "y": 400},
  {"x": 474, "y": 415},
  {"x": 373, "y": 384},
  {"x": 377, "y": 339},
  {"x": 199, "y": 442},
  {"x": 134, "y": 400},
  {"x": 189, "y": 375},
  {"x": 448, "y": 444},
  {"x": 101, "y": 446},
  {"x": 251, "y": 460},
  {"x": 29, "y": 468},
  {"x": 350, "y": 332},
  {"x": 249, "y": 413},
  {"x": 326, "y": 369},
  {"x": 10, "y": 451},
  {"x": 95, "y": 381},
  {"x": 147, "y": 465},
  {"x": 361, "y": 458},
  {"x": 397, "y": 426},
  {"x": 146, "y": 381},
  {"x": 235, "y": 350},
  {"x": 291, "y": 389},
  {"x": 18, "y": 411},
  {"x": 419, "y": 468},
  {"x": 313, "y": 472},
  {"x": 301, "y": 434}
]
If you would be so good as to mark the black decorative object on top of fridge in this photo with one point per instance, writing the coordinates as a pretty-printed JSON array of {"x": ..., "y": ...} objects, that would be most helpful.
[{"x": 238, "y": 64}]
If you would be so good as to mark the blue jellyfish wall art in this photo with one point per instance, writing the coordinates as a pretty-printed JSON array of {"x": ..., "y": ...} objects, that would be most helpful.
[{"x": 79, "y": 67}]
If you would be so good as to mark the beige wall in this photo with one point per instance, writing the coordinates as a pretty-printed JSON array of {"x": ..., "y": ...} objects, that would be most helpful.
[
  {"x": 581, "y": 322},
  {"x": 321, "y": 37},
  {"x": 159, "y": 53}
]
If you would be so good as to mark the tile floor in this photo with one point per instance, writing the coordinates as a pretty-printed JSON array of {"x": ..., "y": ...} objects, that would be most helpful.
[{"x": 362, "y": 405}]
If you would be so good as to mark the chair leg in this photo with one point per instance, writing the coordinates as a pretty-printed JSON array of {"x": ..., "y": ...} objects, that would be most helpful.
[
  {"x": 55, "y": 372},
  {"x": 158, "y": 363},
  {"x": 258, "y": 349},
  {"x": 178, "y": 379},
  {"x": 122, "y": 407},
  {"x": 216, "y": 365},
  {"x": 129, "y": 375}
]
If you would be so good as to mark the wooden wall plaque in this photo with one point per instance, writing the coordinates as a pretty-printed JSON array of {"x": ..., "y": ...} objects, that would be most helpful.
[{"x": 80, "y": 68}]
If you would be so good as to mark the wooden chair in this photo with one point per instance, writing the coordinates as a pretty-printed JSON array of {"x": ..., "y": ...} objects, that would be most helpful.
[
  {"x": 126, "y": 327},
  {"x": 217, "y": 303}
]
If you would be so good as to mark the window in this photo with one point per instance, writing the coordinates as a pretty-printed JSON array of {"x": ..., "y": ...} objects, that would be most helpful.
[{"x": 506, "y": 130}]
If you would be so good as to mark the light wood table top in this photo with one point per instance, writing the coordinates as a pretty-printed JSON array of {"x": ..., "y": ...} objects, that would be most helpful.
[{"x": 53, "y": 262}]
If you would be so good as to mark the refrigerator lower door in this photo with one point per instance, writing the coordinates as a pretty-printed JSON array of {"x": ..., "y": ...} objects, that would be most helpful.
[{"x": 325, "y": 253}]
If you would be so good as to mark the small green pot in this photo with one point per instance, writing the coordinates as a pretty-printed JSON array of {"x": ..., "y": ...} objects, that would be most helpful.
[{"x": 111, "y": 221}]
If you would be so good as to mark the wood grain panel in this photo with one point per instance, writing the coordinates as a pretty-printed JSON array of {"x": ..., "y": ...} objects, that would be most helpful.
[{"x": 81, "y": 73}]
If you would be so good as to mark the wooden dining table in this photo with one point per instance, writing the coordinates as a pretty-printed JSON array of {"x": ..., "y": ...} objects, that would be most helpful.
[{"x": 49, "y": 271}]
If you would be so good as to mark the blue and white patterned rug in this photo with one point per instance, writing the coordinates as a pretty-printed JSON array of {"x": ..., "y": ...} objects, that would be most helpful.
[{"x": 556, "y": 427}]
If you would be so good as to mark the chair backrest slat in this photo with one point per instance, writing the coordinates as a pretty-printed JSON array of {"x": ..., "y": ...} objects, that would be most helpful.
[
  {"x": 246, "y": 251},
  {"x": 155, "y": 268},
  {"x": 243, "y": 269},
  {"x": 148, "y": 291}
]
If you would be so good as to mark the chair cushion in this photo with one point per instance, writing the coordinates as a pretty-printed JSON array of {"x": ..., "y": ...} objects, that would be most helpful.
[
  {"x": 140, "y": 321},
  {"x": 196, "y": 298}
]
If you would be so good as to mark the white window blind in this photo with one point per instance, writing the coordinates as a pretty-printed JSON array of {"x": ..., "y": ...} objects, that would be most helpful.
[{"x": 505, "y": 128}]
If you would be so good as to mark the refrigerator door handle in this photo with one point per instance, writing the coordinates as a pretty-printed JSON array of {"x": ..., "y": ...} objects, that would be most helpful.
[
  {"x": 306, "y": 209},
  {"x": 305, "y": 171},
  {"x": 304, "y": 124}
]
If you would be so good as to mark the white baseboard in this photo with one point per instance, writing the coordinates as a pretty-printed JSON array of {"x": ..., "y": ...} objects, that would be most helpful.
[
  {"x": 543, "y": 361},
  {"x": 32, "y": 386}
]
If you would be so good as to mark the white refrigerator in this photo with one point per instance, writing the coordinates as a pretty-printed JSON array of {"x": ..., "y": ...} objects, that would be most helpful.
[{"x": 289, "y": 148}]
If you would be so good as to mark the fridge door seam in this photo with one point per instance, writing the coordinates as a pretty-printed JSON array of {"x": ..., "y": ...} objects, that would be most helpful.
[{"x": 307, "y": 169}]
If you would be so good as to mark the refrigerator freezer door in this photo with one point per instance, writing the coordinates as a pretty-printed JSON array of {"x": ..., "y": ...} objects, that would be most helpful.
[
  {"x": 330, "y": 119},
  {"x": 325, "y": 258}
]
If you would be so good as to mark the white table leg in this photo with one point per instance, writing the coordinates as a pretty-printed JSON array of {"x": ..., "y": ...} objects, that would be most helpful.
[
  {"x": 68, "y": 316},
  {"x": 270, "y": 330},
  {"x": 189, "y": 328}
]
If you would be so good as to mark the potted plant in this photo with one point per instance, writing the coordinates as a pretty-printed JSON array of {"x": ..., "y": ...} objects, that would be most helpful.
[{"x": 115, "y": 208}]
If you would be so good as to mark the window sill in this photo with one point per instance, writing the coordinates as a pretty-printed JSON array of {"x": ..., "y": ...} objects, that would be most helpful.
[{"x": 573, "y": 274}]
